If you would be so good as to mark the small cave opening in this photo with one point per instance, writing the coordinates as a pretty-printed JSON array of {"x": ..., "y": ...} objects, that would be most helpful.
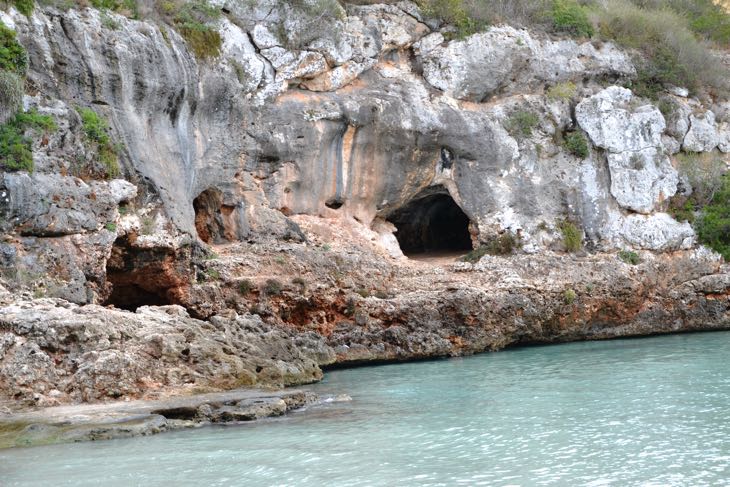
[
  {"x": 142, "y": 277},
  {"x": 432, "y": 222},
  {"x": 211, "y": 216}
]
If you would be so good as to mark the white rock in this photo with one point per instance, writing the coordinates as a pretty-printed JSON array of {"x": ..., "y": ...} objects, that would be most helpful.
[
  {"x": 671, "y": 145},
  {"x": 507, "y": 59},
  {"x": 641, "y": 175},
  {"x": 640, "y": 179},
  {"x": 678, "y": 91},
  {"x": 613, "y": 124},
  {"x": 702, "y": 135},
  {"x": 122, "y": 190},
  {"x": 238, "y": 50},
  {"x": 655, "y": 232},
  {"x": 263, "y": 38},
  {"x": 338, "y": 77},
  {"x": 428, "y": 43}
]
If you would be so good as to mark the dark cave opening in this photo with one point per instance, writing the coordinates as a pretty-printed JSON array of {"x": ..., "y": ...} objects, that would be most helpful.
[
  {"x": 210, "y": 215},
  {"x": 141, "y": 277},
  {"x": 432, "y": 223}
]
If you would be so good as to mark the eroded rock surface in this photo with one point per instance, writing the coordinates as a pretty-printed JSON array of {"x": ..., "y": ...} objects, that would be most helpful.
[
  {"x": 641, "y": 174},
  {"x": 265, "y": 197}
]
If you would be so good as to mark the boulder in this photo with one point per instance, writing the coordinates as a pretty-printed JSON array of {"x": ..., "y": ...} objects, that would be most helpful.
[{"x": 702, "y": 135}]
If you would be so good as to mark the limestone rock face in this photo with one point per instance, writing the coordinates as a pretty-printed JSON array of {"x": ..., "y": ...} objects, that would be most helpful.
[
  {"x": 659, "y": 232},
  {"x": 110, "y": 354},
  {"x": 641, "y": 175},
  {"x": 54, "y": 205},
  {"x": 702, "y": 135},
  {"x": 505, "y": 59}
]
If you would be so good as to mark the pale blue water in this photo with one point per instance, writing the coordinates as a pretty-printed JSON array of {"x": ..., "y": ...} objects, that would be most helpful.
[{"x": 630, "y": 412}]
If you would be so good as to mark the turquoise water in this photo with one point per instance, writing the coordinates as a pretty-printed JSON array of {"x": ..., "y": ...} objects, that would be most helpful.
[{"x": 652, "y": 411}]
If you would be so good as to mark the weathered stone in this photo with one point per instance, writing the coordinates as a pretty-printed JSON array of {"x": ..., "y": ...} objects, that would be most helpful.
[
  {"x": 641, "y": 179},
  {"x": 641, "y": 175},
  {"x": 505, "y": 59},
  {"x": 110, "y": 354},
  {"x": 702, "y": 135},
  {"x": 614, "y": 124},
  {"x": 53, "y": 205},
  {"x": 655, "y": 232}
]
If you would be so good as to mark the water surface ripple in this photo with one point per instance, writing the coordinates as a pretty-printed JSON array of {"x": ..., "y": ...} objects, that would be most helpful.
[{"x": 651, "y": 412}]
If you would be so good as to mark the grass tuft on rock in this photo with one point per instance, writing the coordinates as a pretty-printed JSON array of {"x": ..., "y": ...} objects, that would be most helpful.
[
  {"x": 576, "y": 144},
  {"x": 13, "y": 57},
  {"x": 96, "y": 129},
  {"x": 521, "y": 124},
  {"x": 572, "y": 236},
  {"x": 629, "y": 257},
  {"x": 503, "y": 244},
  {"x": 16, "y": 146}
]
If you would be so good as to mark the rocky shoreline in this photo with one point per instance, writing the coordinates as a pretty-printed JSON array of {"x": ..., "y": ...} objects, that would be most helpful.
[
  {"x": 191, "y": 225},
  {"x": 94, "y": 422}
]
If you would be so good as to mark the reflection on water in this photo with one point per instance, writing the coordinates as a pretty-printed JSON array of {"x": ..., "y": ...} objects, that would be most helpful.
[{"x": 628, "y": 412}]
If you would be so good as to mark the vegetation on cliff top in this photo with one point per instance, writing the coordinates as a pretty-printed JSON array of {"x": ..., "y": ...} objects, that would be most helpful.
[{"x": 674, "y": 37}]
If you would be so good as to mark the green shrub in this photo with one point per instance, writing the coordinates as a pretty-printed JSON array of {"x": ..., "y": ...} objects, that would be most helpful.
[
  {"x": 111, "y": 226},
  {"x": 96, "y": 129},
  {"x": 708, "y": 18},
  {"x": 682, "y": 209},
  {"x": 455, "y": 13},
  {"x": 128, "y": 8},
  {"x": 191, "y": 20},
  {"x": 576, "y": 144},
  {"x": 244, "y": 287},
  {"x": 667, "y": 107},
  {"x": 704, "y": 173},
  {"x": 713, "y": 223},
  {"x": 272, "y": 287},
  {"x": 629, "y": 257},
  {"x": 13, "y": 57},
  {"x": 570, "y": 17},
  {"x": 475, "y": 255},
  {"x": 572, "y": 236},
  {"x": 671, "y": 53},
  {"x": 109, "y": 22},
  {"x": 25, "y": 7},
  {"x": 204, "y": 41},
  {"x": 502, "y": 244},
  {"x": 562, "y": 91},
  {"x": 521, "y": 124},
  {"x": 569, "y": 295},
  {"x": 16, "y": 151}
]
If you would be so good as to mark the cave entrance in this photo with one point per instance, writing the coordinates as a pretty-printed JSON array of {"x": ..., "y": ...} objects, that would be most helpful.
[
  {"x": 432, "y": 222},
  {"x": 142, "y": 277},
  {"x": 210, "y": 217}
]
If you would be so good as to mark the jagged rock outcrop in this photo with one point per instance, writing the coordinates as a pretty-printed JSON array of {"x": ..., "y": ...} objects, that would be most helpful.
[
  {"x": 641, "y": 174},
  {"x": 505, "y": 60},
  {"x": 53, "y": 352}
]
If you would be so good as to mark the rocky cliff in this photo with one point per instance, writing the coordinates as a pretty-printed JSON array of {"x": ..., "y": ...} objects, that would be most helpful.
[{"x": 265, "y": 196}]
